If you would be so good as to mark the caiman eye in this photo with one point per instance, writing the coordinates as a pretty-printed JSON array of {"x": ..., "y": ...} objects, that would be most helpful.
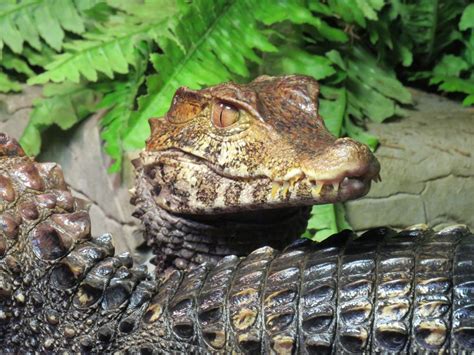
[{"x": 224, "y": 115}]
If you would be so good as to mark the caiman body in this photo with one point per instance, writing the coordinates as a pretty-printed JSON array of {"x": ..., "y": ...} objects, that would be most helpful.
[{"x": 64, "y": 291}]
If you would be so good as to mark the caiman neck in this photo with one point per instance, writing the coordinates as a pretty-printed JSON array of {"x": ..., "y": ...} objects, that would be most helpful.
[{"x": 181, "y": 241}]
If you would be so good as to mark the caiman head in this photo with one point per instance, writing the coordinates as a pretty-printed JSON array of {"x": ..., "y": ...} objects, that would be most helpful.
[{"x": 233, "y": 147}]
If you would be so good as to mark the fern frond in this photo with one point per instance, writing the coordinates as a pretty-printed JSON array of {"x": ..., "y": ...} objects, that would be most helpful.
[
  {"x": 108, "y": 51},
  {"x": 34, "y": 20},
  {"x": 63, "y": 105},
  {"x": 16, "y": 64},
  {"x": 7, "y": 84},
  {"x": 430, "y": 24},
  {"x": 120, "y": 104}
]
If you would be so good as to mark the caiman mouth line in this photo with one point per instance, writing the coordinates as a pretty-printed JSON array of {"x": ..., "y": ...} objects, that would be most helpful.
[{"x": 350, "y": 181}]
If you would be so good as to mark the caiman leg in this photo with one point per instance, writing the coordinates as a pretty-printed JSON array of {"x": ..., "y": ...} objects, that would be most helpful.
[{"x": 62, "y": 290}]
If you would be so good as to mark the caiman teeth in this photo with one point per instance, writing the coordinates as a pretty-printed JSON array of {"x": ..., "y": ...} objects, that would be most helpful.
[
  {"x": 284, "y": 189},
  {"x": 335, "y": 186},
  {"x": 316, "y": 190},
  {"x": 377, "y": 178},
  {"x": 275, "y": 189}
]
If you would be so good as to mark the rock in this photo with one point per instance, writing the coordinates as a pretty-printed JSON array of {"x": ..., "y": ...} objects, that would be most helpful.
[
  {"x": 427, "y": 161},
  {"x": 15, "y": 110}
]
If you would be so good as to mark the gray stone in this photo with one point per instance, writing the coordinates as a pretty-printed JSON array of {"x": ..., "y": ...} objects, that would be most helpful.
[
  {"x": 10, "y": 103},
  {"x": 15, "y": 110},
  {"x": 362, "y": 213},
  {"x": 427, "y": 161}
]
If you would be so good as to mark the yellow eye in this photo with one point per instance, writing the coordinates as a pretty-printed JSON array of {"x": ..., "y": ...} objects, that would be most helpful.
[{"x": 224, "y": 115}]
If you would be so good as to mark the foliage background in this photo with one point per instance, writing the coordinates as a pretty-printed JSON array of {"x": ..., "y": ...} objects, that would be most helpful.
[{"x": 129, "y": 56}]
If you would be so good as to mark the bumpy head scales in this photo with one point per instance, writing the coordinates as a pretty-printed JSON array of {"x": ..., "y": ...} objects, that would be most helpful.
[{"x": 239, "y": 147}]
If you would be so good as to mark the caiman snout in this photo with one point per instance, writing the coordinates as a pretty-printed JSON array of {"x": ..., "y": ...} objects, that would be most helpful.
[
  {"x": 343, "y": 158},
  {"x": 359, "y": 155}
]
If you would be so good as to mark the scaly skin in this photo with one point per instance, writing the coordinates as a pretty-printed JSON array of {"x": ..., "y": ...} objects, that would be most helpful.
[
  {"x": 238, "y": 166},
  {"x": 63, "y": 291}
]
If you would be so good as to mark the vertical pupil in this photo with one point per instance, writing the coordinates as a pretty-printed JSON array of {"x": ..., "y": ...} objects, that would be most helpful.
[
  {"x": 225, "y": 115},
  {"x": 221, "y": 109}
]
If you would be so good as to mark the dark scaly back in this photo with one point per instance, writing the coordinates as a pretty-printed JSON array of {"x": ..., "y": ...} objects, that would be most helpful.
[
  {"x": 63, "y": 290},
  {"x": 60, "y": 289},
  {"x": 384, "y": 292}
]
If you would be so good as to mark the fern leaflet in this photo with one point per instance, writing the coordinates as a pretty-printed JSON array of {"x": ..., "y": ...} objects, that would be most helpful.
[{"x": 32, "y": 21}]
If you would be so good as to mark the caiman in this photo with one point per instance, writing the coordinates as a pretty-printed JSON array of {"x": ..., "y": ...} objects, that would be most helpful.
[
  {"x": 235, "y": 167},
  {"x": 64, "y": 291}
]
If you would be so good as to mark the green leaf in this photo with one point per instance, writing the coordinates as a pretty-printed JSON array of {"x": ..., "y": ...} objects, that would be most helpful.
[
  {"x": 297, "y": 61},
  {"x": 457, "y": 85},
  {"x": 7, "y": 84},
  {"x": 359, "y": 134},
  {"x": 469, "y": 100},
  {"x": 42, "y": 58},
  {"x": 373, "y": 104},
  {"x": 469, "y": 50},
  {"x": 363, "y": 67},
  {"x": 63, "y": 105},
  {"x": 336, "y": 58},
  {"x": 467, "y": 18},
  {"x": 333, "y": 108},
  {"x": 448, "y": 74},
  {"x": 32, "y": 20},
  {"x": 17, "y": 64},
  {"x": 450, "y": 65},
  {"x": 348, "y": 10},
  {"x": 318, "y": 7},
  {"x": 10, "y": 35},
  {"x": 49, "y": 27},
  {"x": 430, "y": 23},
  {"x": 108, "y": 51},
  {"x": 367, "y": 9},
  {"x": 407, "y": 56},
  {"x": 120, "y": 104},
  {"x": 325, "y": 221},
  {"x": 68, "y": 16},
  {"x": 373, "y": 91}
]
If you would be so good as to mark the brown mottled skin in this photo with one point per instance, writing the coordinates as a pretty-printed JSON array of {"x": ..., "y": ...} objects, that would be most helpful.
[
  {"x": 274, "y": 160},
  {"x": 64, "y": 291}
]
